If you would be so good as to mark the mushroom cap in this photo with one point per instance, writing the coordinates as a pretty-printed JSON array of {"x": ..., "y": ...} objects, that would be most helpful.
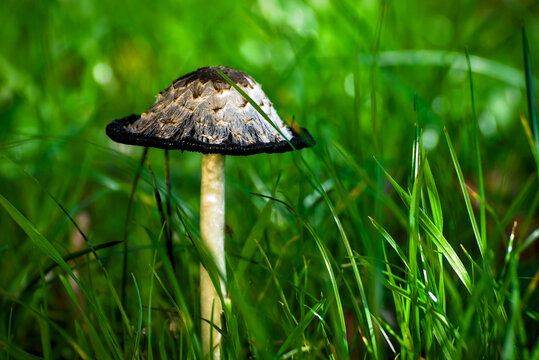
[{"x": 202, "y": 112}]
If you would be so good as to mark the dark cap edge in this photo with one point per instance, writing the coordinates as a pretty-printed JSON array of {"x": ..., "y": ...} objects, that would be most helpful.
[{"x": 116, "y": 131}]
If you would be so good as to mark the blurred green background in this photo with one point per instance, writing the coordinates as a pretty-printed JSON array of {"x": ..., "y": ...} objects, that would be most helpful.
[{"x": 345, "y": 70}]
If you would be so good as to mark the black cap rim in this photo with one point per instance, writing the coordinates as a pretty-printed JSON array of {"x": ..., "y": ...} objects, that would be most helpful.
[{"x": 116, "y": 130}]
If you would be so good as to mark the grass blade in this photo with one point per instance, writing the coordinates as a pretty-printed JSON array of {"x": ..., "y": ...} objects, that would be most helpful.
[
  {"x": 150, "y": 297},
  {"x": 529, "y": 136},
  {"x": 139, "y": 325},
  {"x": 126, "y": 224},
  {"x": 371, "y": 346},
  {"x": 341, "y": 339},
  {"x": 438, "y": 238},
  {"x": 67, "y": 258},
  {"x": 297, "y": 332},
  {"x": 288, "y": 312},
  {"x": 256, "y": 232},
  {"x": 37, "y": 238},
  {"x": 434, "y": 198},
  {"x": 63, "y": 333},
  {"x": 437, "y": 216},
  {"x": 465, "y": 194},
  {"x": 45, "y": 338},
  {"x": 46, "y": 247},
  {"x": 168, "y": 229},
  {"x": 178, "y": 300},
  {"x": 323, "y": 251},
  {"x": 412, "y": 321},
  {"x": 530, "y": 93},
  {"x": 482, "y": 207},
  {"x": 101, "y": 351},
  {"x": 16, "y": 351},
  {"x": 390, "y": 241}
]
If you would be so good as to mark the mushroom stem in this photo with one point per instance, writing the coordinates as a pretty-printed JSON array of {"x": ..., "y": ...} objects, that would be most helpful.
[{"x": 212, "y": 232}]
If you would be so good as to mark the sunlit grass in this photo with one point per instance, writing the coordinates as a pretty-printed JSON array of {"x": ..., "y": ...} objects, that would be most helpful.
[{"x": 372, "y": 244}]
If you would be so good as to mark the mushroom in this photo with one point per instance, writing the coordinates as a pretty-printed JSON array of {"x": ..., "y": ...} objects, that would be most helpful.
[{"x": 203, "y": 112}]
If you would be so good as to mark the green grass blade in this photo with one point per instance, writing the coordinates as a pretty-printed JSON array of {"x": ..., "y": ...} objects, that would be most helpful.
[
  {"x": 81, "y": 337},
  {"x": 162, "y": 345},
  {"x": 118, "y": 303},
  {"x": 289, "y": 315},
  {"x": 256, "y": 232},
  {"x": 412, "y": 321},
  {"x": 448, "y": 251},
  {"x": 341, "y": 339},
  {"x": 91, "y": 247},
  {"x": 346, "y": 243},
  {"x": 169, "y": 223},
  {"x": 529, "y": 136},
  {"x": 364, "y": 176},
  {"x": 66, "y": 258},
  {"x": 437, "y": 216},
  {"x": 482, "y": 208},
  {"x": 453, "y": 60},
  {"x": 535, "y": 352},
  {"x": 397, "y": 300},
  {"x": 139, "y": 324},
  {"x": 46, "y": 247},
  {"x": 444, "y": 339},
  {"x": 15, "y": 351},
  {"x": 530, "y": 239},
  {"x": 9, "y": 326},
  {"x": 45, "y": 338},
  {"x": 257, "y": 334},
  {"x": 101, "y": 351},
  {"x": 530, "y": 93},
  {"x": 59, "y": 329},
  {"x": 515, "y": 336},
  {"x": 390, "y": 241},
  {"x": 465, "y": 194},
  {"x": 437, "y": 236},
  {"x": 150, "y": 297},
  {"x": 327, "y": 340},
  {"x": 123, "y": 292},
  {"x": 37, "y": 238},
  {"x": 296, "y": 335},
  {"x": 434, "y": 197},
  {"x": 178, "y": 300},
  {"x": 323, "y": 251},
  {"x": 373, "y": 72}
]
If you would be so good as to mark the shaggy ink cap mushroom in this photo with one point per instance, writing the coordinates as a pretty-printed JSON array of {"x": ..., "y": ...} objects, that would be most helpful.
[{"x": 202, "y": 112}]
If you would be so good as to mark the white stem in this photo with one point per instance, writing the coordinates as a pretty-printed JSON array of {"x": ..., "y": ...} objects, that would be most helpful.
[{"x": 212, "y": 232}]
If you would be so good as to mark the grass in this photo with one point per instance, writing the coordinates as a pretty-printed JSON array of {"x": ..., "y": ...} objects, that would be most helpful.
[{"x": 409, "y": 231}]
